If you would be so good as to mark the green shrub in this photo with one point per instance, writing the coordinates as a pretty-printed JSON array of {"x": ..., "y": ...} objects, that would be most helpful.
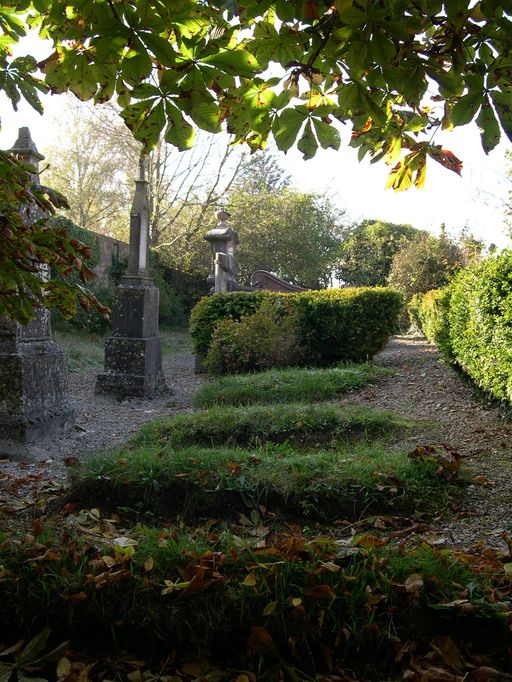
[
  {"x": 211, "y": 309},
  {"x": 413, "y": 310},
  {"x": 267, "y": 338},
  {"x": 346, "y": 324},
  {"x": 430, "y": 312},
  {"x": 471, "y": 323},
  {"x": 333, "y": 325},
  {"x": 480, "y": 320}
]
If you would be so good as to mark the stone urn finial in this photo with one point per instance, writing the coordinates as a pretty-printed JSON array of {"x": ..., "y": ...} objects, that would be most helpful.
[
  {"x": 25, "y": 146},
  {"x": 222, "y": 216}
]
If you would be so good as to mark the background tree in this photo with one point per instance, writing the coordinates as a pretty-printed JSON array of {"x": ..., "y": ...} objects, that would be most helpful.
[
  {"x": 368, "y": 249},
  {"x": 425, "y": 263},
  {"x": 95, "y": 162},
  {"x": 262, "y": 171},
  {"x": 207, "y": 63},
  {"x": 292, "y": 234},
  {"x": 92, "y": 169}
]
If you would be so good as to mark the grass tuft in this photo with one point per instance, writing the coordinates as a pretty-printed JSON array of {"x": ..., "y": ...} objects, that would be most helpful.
[
  {"x": 84, "y": 352},
  {"x": 287, "y": 385},
  {"x": 321, "y": 423},
  {"x": 216, "y": 591},
  {"x": 220, "y": 482}
]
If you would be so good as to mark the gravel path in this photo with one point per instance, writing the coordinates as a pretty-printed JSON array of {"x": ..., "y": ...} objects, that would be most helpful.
[
  {"x": 423, "y": 388},
  {"x": 419, "y": 387},
  {"x": 102, "y": 422}
]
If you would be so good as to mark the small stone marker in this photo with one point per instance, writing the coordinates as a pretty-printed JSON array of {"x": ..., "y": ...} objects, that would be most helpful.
[
  {"x": 223, "y": 240},
  {"x": 33, "y": 369},
  {"x": 133, "y": 354}
]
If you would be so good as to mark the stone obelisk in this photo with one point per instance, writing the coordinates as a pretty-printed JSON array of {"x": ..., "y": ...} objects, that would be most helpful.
[
  {"x": 33, "y": 369},
  {"x": 133, "y": 354}
]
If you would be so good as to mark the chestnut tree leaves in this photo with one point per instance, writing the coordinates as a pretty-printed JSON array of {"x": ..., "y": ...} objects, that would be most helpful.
[{"x": 291, "y": 69}]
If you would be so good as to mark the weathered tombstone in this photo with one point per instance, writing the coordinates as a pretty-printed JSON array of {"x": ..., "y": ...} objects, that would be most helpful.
[
  {"x": 133, "y": 354},
  {"x": 261, "y": 279},
  {"x": 223, "y": 240},
  {"x": 33, "y": 369}
]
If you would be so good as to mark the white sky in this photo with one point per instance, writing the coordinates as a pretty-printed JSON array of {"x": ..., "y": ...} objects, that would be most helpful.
[{"x": 476, "y": 200}]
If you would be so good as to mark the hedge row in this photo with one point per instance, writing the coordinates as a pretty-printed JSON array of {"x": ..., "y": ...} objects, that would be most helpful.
[
  {"x": 471, "y": 322},
  {"x": 332, "y": 325},
  {"x": 430, "y": 313}
]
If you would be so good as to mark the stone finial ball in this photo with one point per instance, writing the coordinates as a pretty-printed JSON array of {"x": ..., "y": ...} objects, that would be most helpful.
[{"x": 222, "y": 216}]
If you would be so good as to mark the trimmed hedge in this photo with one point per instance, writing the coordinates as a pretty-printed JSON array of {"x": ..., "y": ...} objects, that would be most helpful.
[
  {"x": 471, "y": 322},
  {"x": 430, "y": 313},
  {"x": 333, "y": 325}
]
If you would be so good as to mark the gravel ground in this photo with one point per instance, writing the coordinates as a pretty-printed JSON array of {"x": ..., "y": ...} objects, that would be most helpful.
[
  {"x": 424, "y": 389},
  {"x": 419, "y": 387},
  {"x": 102, "y": 422}
]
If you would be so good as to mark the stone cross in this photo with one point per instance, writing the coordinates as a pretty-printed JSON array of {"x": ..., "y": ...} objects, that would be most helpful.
[{"x": 139, "y": 226}]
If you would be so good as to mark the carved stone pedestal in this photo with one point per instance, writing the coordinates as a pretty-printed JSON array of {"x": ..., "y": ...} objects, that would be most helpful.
[
  {"x": 133, "y": 354},
  {"x": 33, "y": 382}
]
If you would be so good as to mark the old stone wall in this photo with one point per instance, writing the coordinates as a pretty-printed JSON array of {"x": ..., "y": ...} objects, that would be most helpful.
[
  {"x": 111, "y": 250},
  {"x": 190, "y": 288}
]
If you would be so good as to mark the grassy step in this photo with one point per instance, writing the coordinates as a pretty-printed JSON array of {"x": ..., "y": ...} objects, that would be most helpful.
[
  {"x": 219, "y": 482},
  {"x": 218, "y": 592},
  {"x": 247, "y": 425},
  {"x": 287, "y": 385}
]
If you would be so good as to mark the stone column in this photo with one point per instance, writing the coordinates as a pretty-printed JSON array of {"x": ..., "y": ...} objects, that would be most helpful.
[
  {"x": 33, "y": 369},
  {"x": 133, "y": 354},
  {"x": 223, "y": 240}
]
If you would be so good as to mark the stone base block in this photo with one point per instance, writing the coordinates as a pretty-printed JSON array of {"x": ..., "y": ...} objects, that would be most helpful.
[
  {"x": 133, "y": 368},
  {"x": 199, "y": 366},
  {"x": 28, "y": 430},
  {"x": 33, "y": 382}
]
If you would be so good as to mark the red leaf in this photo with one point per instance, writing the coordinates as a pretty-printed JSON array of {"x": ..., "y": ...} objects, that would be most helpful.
[{"x": 261, "y": 642}]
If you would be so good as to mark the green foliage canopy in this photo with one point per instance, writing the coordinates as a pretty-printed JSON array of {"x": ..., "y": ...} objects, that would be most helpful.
[
  {"x": 206, "y": 63},
  {"x": 425, "y": 263},
  {"x": 368, "y": 249},
  {"x": 290, "y": 69},
  {"x": 294, "y": 235}
]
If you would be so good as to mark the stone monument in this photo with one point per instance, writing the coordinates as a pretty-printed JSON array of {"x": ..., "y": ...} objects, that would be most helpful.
[
  {"x": 33, "y": 369},
  {"x": 133, "y": 354},
  {"x": 223, "y": 240}
]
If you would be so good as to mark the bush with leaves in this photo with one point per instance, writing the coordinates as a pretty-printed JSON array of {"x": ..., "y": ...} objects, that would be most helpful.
[
  {"x": 349, "y": 324},
  {"x": 430, "y": 313},
  {"x": 481, "y": 324},
  {"x": 211, "y": 309},
  {"x": 267, "y": 338},
  {"x": 471, "y": 322},
  {"x": 332, "y": 325},
  {"x": 425, "y": 263}
]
